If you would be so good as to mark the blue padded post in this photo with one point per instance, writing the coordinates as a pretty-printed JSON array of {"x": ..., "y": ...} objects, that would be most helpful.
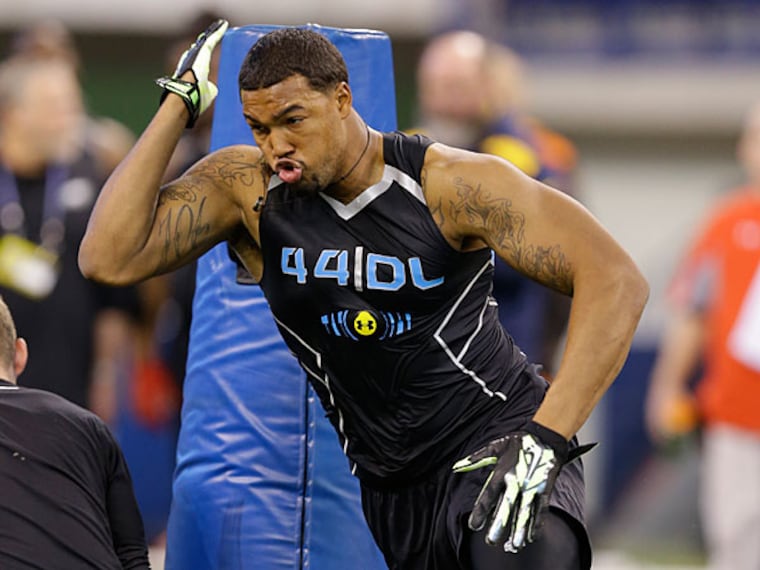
[{"x": 261, "y": 482}]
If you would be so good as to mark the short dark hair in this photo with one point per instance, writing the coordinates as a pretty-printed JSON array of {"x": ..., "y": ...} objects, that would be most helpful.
[{"x": 292, "y": 51}]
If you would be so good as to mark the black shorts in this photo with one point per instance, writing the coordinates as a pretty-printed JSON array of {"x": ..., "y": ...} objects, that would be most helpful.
[{"x": 422, "y": 526}]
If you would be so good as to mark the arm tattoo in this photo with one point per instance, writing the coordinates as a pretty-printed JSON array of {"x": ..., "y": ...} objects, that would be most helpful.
[
  {"x": 506, "y": 227},
  {"x": 230, "y": 167},
  {"x": 183, "y": 225}
]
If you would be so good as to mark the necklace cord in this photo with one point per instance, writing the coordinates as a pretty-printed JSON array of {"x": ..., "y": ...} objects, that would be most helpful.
[{"x": 358, "y": 160}]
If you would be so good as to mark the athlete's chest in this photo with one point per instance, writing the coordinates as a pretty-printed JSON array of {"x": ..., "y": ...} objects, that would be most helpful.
[{"x": 388, "y": 254}]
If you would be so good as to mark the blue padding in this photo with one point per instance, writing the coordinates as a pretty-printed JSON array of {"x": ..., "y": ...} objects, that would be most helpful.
[
  {"x": 261, "y": 482},
  {"x": 150, "y": 453}
]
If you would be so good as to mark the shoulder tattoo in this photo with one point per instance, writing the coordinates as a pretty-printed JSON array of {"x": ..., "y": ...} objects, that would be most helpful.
[
  {"x": 230, "y": 167},
  {"x": 505, "y": 224},
  {"x": 183, "y": 225}
]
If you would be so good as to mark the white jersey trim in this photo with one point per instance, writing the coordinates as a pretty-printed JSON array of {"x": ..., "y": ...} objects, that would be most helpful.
[
  {"x": 322, "y": 378},
  {"x": 457, "y": 358},
  {"x": 274, "y": 182},
  {"x": 390, "y": 174},
  {"x": 406, "y": 182}
]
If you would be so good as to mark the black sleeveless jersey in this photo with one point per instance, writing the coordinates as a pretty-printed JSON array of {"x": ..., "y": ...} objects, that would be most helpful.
[{"x": 396, "y": 330}]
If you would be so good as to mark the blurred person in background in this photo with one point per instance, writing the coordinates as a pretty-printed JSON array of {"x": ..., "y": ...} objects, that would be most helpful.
[
  {"x": 106, "y": 139},
  {"x": 48, "y": 184},
  {"x": 107, "y": 142},
  {"x": 714, "y": 327},
  {"x": 136, "y": 391},
  {"x": 67, "y": 497},
  {"x": 470, "y": 95}
]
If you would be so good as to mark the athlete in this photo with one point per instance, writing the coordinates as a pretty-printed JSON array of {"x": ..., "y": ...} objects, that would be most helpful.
[{"x": 374, "y": 251}]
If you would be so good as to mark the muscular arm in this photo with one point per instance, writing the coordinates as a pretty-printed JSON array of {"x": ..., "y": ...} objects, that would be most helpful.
[
  {"x": 139, "y": 229},
  {"x": 482, "y": 200}
]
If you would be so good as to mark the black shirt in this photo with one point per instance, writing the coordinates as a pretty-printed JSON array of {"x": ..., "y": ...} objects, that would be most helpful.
[
  {"x": 59, "y": 327},
  {"x": 396, "y": 330},
  {"x": 66, "y": 498}
]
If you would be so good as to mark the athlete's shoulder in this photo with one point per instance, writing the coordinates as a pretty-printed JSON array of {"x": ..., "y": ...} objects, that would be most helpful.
[
  {"x": 406, "y": 151},
  {"x": 717, "y": 228},
  {"x": 236, "y": 158},
  {"x": 739, "y": 200},
  {"x": 736, "y": 204},
  {"x": 410, "y": 137},
  {"x": 232, "y": 167},
  {"x": 445, "y": 159},
  {"x": 246, "y": 150},
  {"x": 448, "y": 172}
]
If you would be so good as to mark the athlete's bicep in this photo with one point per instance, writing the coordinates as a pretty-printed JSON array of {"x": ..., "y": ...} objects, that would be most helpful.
[
  {"x": 538, "y": 230},
  {"x": 201, "y": 208}
]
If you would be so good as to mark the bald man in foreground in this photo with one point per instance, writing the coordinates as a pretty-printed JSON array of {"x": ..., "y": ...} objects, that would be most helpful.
[{"x": 67, "y": 499}]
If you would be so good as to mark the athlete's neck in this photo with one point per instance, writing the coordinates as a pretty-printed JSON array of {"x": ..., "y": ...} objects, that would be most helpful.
[{"x": 361, "y": 167}]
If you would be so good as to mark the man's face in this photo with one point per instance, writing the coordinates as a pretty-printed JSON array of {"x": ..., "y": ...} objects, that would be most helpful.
[
  {"x": 452, "y": 92},
  {"x": 298, "y": 130},
  {"x": 49, "y": 113},
  {"x": 452, "y": 89}
]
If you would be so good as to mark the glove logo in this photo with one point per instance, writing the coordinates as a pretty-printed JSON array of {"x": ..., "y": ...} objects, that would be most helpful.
[{"x": 365, "y": 324}]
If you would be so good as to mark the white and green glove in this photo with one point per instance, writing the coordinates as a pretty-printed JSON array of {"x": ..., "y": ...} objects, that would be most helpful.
[
  {"x": 525, "y": 465},
  {"x": 197, "y": 96}
]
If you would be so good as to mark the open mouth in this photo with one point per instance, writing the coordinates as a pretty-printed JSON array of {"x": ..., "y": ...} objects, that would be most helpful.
[{"x": 289, "y": 171}]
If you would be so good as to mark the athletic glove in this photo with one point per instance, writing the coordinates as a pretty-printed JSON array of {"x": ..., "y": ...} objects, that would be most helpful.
[
  {"x": 197, "y": 96},
  {"x": 526, "y": 464}
]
